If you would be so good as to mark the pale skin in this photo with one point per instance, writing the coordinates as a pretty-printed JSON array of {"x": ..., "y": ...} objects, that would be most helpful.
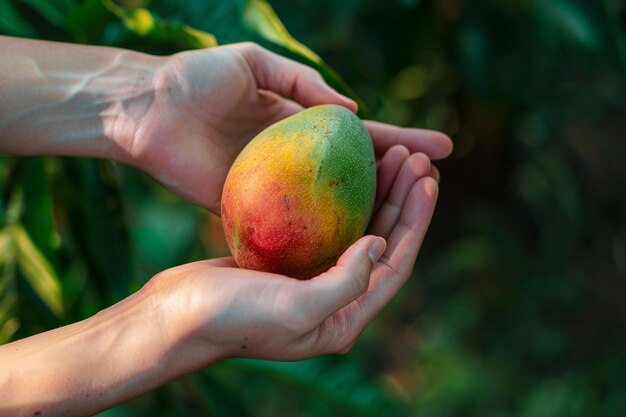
[{"x": 183, "y": 119}]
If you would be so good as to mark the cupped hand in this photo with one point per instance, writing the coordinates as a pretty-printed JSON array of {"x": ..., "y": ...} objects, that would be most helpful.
[
  {"x": 208, "y": 104},
  {"x": 238, "y": 312}
]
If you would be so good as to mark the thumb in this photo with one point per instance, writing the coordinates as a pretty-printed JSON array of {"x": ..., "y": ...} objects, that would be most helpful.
[
  {"x": 347, "y": 280},
  {"x": 291, "y": 79}
]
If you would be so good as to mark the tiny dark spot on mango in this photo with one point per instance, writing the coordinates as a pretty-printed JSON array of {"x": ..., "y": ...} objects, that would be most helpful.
[
  {"x": 244, "y": 347},
  {"x": 37, "y": 413}
]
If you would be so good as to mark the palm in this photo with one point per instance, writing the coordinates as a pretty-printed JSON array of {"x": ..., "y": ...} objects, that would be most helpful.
[
  {"x": 204, "y": 122},
  {"x": 327, "y": 313}
]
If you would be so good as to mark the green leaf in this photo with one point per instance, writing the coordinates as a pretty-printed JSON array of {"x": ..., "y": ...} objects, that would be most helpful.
[
  {"x": 52, "y": 11},
  {"x": 6, "y": 248},
  {"x": 142, "y": 23},
  {"x": 8, "y": 323},
  {"x": 12, "y": 23},
  {"x": 576, "y": 24},
  {"x": 37, "y": 216},
  {"x": 340, "y": 385},
  {"x": 261, "y": 19},
  {"x": 95, "y": 214},
  {"x": 37, "y": 270},
  {"x": 8, "y": 329},
  {"x": 138, "y": 21},
  {"x": 87, "y": 21}
]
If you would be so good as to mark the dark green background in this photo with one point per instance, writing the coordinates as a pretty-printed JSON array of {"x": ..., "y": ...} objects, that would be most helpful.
[{"x": 518, "y": 302}]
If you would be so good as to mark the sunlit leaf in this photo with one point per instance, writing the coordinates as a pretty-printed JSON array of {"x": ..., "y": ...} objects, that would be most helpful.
[
  {"x": 142, "y": 22},
  {"x": 6, "y": 248},
  {"x": 259, "y": 16},
  {"x": 8, "y": 322},
  {"x": 37, "y": 270},
  {"x": 8, "y": 329}
]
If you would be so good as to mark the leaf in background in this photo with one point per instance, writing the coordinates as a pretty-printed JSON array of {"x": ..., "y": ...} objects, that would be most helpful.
[
  {"x": 11, "y": 23},
  {"x": 576, "y": 24},
  {"x": 8, "y": 322},
  {"x": 96, "y": 219},
  {"x": 6, "y": 250},
  {"x": 52, "y": 11},
  {"x": 87, "y": 21},
  {"x": 37, "y": 214},
  {"x": 142, "y": 22},
  {"x": 8, "y": 329},
  {"x": 261, "y": 19},
  {"x": 223, "y": 400},
  {"x": 340, "y": 385},
  {"x": 37, "y": 270}
]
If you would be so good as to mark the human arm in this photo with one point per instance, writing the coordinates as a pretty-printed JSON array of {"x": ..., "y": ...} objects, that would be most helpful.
[
  {"x": 182, "y": 118},
  {"x": 191, "y": 316}
]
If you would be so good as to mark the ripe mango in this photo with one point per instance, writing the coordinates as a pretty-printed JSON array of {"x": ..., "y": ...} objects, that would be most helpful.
[{"x": 300, "y": 193}]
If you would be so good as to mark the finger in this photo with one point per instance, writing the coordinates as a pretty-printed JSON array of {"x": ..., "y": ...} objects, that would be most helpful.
[
  {"x": 435, "y": 144},
  {"x": 415, "y": 167},
  {"x": 396, "y": 265},
  {"x": 407, "y": 235},
  {"x": 435, "y": 174},
  {"x": 291, "y": 79},
  {"x": 387, "y": 171},
  {"x": 345, "y": 282}
]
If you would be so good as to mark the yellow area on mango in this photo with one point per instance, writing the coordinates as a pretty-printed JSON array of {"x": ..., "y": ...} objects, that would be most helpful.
[{"x": 272, "y": 188}]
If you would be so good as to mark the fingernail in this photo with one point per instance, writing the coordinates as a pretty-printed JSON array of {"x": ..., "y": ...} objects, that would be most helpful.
[{"x": 377, "y": 248}]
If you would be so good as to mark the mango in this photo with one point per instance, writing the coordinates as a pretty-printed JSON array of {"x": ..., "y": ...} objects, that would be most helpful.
[{"x": 300, "y": 193}]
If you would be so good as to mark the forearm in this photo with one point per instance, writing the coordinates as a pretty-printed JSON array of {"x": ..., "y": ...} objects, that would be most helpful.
[
  {"x": 74, "y": 100},
  {"x": 80, "y": 369}
]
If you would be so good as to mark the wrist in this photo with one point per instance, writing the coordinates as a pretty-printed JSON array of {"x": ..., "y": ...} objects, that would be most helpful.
[
  {"x": 123, "y": 351},
  {"x": 129, "y": 89}
]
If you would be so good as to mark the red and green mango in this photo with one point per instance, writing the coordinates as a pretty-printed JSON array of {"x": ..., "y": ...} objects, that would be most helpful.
[{"x": 300, "y": 193}]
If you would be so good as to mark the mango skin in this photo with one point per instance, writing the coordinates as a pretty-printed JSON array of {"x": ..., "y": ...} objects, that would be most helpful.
[{"x": 300, "y": 193}]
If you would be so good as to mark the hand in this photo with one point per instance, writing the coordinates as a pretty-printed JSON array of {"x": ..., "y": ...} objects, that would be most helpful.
[
  {"x": 208, "y": 104},
  {"x": 197, "y": 314},
  {"x": 238, "y": 312}
]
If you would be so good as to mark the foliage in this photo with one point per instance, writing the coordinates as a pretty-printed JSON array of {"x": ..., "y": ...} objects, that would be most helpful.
[{"x": 516, "y": 305}]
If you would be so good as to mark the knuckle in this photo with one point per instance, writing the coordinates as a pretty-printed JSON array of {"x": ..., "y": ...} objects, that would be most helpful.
[
  {"x": 250, "y": 48},
  {"x": 313, "y": 74},
  {"x": 360, "y": 283}
]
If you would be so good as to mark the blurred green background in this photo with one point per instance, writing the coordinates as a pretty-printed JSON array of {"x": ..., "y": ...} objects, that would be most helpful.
[{"x": 517, "y": 306}]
